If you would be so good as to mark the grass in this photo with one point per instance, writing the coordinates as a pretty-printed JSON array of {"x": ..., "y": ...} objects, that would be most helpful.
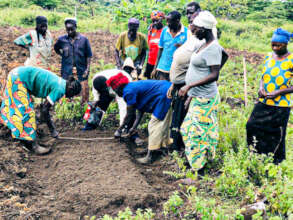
[{"x": 242, "y": 35}]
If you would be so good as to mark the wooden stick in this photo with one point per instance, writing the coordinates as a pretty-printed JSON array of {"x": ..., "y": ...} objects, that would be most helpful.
[
  {"x": 85, "y": 139},
  {"x": 245, "y": 82}
]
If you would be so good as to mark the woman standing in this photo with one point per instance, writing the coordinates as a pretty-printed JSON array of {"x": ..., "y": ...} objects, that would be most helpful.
[
  {"x": 200, "y": 127},
  {"x": 154, "y": 35},
  {"x": 17, "y": 109},
  {"x": 39, "y": 42},
  {"x": 266, "y": 127}
]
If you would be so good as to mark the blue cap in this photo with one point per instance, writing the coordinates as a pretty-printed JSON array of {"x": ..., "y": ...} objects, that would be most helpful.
[{"x": 281, "y": 36}]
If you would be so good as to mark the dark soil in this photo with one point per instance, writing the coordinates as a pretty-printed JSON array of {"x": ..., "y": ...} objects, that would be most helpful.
[{"x": 79, "y": 178}]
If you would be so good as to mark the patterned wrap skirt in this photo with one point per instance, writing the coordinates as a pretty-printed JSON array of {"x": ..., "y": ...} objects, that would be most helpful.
[
  {"x": 200, "y": 131},
  {"x": 17, "y": 109}
]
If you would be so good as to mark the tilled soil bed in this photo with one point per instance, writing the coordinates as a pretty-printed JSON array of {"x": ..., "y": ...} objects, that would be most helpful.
[{"x": 79, "y": 178}]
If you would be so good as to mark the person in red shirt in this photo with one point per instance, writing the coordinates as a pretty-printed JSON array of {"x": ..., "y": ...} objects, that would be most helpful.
[{"x": 154, "y": 34}]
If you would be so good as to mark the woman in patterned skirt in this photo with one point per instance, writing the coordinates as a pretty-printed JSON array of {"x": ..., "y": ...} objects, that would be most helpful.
[
  {"x": 17, "y": 108},
  {"x": 200, "y": 126},
  {"x": 266, "y": 127}
]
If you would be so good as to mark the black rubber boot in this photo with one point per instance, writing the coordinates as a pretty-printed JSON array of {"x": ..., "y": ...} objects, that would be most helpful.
[
  {"x": 34, "y": 147},
  {"x": 151, "y": 156}
]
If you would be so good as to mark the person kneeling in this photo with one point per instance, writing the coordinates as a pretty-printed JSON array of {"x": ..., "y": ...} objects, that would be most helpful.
[{"x": 146, "y": 96}]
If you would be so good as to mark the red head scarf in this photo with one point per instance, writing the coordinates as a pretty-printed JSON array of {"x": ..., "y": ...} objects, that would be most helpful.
[{"x": 117, "y": 81}]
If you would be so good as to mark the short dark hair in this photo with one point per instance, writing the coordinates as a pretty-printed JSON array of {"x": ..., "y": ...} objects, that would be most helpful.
[
  {"x": 193, "y": 4},
  {"x": 175, "y": 14}
]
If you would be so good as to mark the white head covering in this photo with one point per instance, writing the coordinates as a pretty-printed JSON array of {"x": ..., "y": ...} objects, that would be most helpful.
[
  {"x": 205, "y": 19},
  {"x": 128, "y": 62}
]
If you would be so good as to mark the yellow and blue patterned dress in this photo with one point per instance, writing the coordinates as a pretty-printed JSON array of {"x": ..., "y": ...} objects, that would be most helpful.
[{"x": 277, "y": 75}]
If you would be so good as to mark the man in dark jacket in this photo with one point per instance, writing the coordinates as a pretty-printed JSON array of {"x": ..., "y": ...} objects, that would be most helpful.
[{"x": 75, "y": 51}]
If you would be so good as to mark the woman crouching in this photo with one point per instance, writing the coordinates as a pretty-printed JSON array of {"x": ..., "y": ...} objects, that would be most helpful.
[{"x": 17, "y": 108}]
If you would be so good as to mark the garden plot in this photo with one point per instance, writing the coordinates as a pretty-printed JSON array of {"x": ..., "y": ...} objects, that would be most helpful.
[{"x": 78, "y": 178}]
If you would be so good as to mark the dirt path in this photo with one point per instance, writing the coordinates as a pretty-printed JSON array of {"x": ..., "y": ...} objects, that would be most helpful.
[{"x": 79, "y": 178}]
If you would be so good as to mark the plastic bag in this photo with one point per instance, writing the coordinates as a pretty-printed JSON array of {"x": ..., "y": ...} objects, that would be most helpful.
[{"x": 93, "y": 116}]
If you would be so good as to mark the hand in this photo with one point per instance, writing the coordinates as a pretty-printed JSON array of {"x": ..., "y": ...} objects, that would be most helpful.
[
  {"x": 273, "y": 94},
  {"x": 187, "y": 102},
  {"x": 118, "y": 133},
  {"x": 138, "y": 69},
  {"x": 132, "y": 131},
  {"x": 54, "y": 133},
  {"x": 262, "y": 93},
  {"x": 169, "y": 93},
  {"x": 153, "y": 74},
  {"x": 85, "y": 74},
  {"x": 177, "y": 45},
  {"x": 183, "y": 91}
]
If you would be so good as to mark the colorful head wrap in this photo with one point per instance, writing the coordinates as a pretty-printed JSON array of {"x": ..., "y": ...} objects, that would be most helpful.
[
  {"x": 281, "y": 36},
  {"x": 117, "y": 81},
  {"x": 157, "y": 15}
]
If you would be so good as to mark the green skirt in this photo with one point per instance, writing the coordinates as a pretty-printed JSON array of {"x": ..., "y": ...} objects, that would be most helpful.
[{"x": 200, "y": 131}]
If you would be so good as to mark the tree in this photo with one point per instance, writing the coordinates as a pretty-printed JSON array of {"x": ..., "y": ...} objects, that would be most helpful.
[{"x": 48, "y": 4}]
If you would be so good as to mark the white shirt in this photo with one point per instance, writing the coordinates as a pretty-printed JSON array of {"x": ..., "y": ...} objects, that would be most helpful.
[{"x": 121, "y": 103}]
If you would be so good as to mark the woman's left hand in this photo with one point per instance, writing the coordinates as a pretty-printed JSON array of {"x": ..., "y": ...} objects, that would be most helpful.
[
  {"x": 183, "y": 91},
  {"x": 273, "y": 94}
]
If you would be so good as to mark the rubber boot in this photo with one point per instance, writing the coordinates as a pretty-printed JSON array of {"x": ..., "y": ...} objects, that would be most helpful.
[
  {"x": 35, "y": 148},
  {"x": 39, "y": 150},
  {"x": 151, "y": 156},
  {"x": 52, "y": 128}
]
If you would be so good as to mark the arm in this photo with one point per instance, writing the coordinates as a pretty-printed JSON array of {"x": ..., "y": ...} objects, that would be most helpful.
[
  {"x": 88, "y": 54},
  {"x": 87, "y": 70},
  {"x": 130, "y": 116},
  {"x": 24, "y": 41},
  {"x": 139, "y": 68},
  {"x": 261, "y": 92},
  {"x": 57, "y": 48},
  {"x": 279, "y": 92},
  {"x": 214, "y": 76},
  {"x": 143, "y": 52},
  {"x": 117, "y": 58},
  {"x": 45, "y": 117},
  {"x": 136, "y": 123},
  {"x": 157, "y": 62}
]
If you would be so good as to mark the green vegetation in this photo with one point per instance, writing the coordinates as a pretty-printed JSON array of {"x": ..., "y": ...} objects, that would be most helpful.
[{"x": 251, "y": 30}]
